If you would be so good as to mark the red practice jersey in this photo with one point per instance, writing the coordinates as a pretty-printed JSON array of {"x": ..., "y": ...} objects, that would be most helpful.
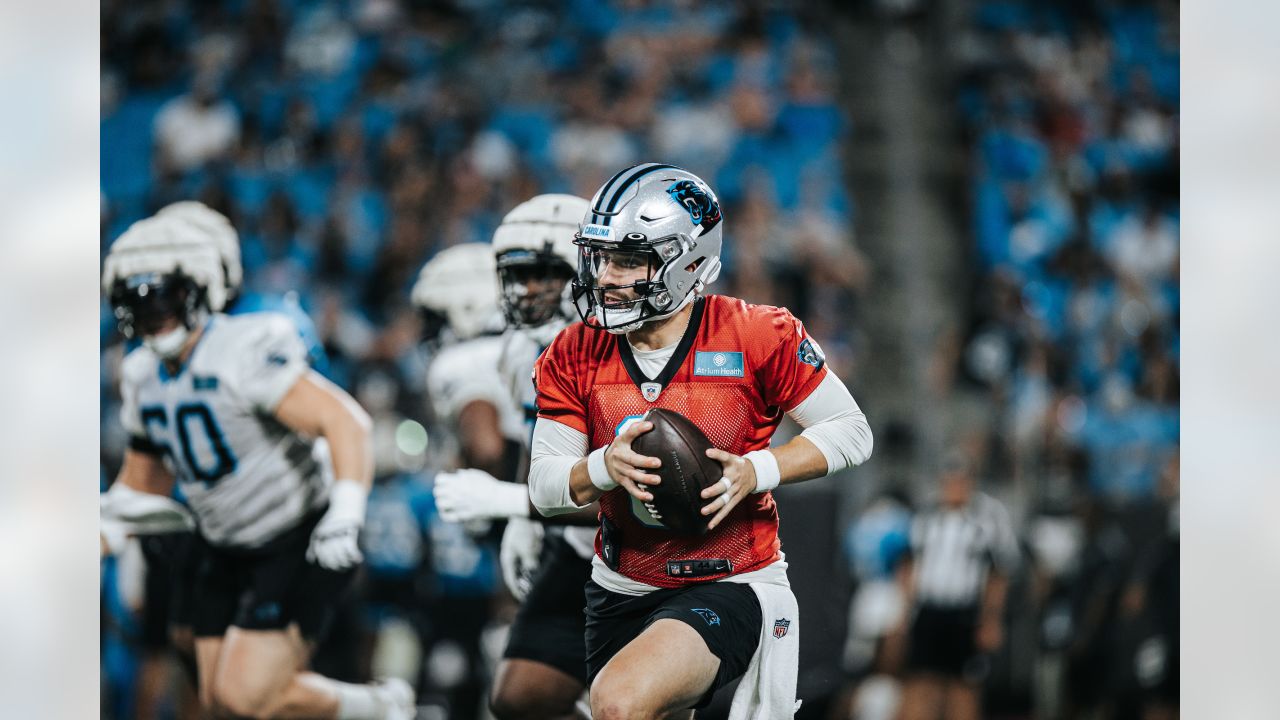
[{"x": 742, "y": 366}]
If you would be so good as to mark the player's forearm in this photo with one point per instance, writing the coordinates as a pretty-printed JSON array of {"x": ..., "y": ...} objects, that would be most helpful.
[
  {"x": 994, "y": 596},
  {"x": 580, "y": 488},
  {"x": 905, "y": 576},
  {"x": 318, "y": 408},
  {"x": 350, "y": 438},
  {"x": 799, "y": 460},
  {"x": 588, "y": 516},
  {"x": 349, "y": 431},
  {"x": 145, "y": 473},
  {"x": 482, "y": 443}
]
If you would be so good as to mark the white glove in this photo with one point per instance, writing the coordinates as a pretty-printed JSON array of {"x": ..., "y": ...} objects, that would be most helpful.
[
  {"x": 335, "y": 543},
  {"x": 114, "y": 535},
  {"x": 521, "y": 550},
  {"x": 476, "y": 495},
  {"x": 125, "y": 512}
]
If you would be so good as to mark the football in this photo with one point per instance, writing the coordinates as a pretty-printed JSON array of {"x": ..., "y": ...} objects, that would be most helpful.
[{"x": 686, "y": 470}]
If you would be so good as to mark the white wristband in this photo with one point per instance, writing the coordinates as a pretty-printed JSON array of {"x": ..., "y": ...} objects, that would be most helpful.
[
  {"x": 768, "y": 476},
  {"x": 598, "y": 471},
  {"x": 347, "y": 500}
]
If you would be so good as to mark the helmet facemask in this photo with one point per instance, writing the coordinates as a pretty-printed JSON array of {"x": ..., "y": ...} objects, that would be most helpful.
[
  {"x": 673, "y": 275},
  {"x": 148, "y": 303},
  {"x": 533, "y": 286},
  {"x": 435, "y": 326}
]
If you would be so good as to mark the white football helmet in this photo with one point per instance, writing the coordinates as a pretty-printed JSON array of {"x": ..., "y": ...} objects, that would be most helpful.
[
  {"x": 159, "y": 270},
  {"x": 537, "y": 258},
  {"x": 218, "y": 230},
  {"x": 654, "y": 214},
  {"x": 458, "y": 288}
]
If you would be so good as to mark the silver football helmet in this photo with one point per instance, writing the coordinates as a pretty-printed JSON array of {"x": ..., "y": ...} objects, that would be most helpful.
[
  {"x": 537, "y": 259},
  {"x": 656, "y": 215}
]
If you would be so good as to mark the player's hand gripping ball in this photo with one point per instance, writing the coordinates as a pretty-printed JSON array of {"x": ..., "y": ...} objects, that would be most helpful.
[{"x": 686, "y": 470}]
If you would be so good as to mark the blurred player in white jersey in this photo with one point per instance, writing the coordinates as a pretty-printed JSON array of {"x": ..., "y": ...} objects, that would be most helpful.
[
  {"x": 228, "y": 407},
  {"x": 171, "y": 558},
  {"x": 457, "y": 296},
  {"x": 543, "y": 672}
]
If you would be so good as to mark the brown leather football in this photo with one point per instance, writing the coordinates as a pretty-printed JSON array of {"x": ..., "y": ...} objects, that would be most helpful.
[{"x": 686, "y": 471}]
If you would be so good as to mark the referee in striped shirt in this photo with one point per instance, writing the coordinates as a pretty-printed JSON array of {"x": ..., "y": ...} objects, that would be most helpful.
[{"x": 963, "y": 550}]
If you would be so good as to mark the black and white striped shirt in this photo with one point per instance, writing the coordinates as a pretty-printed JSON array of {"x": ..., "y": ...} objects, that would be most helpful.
[{"x": 954, "y": 548}]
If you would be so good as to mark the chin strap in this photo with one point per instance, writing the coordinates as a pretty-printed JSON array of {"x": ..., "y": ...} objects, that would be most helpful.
[
  {"x": 629, "y": 327},
  {"x": 169, "y": 345},
  {"x": 681, "y": 306}
]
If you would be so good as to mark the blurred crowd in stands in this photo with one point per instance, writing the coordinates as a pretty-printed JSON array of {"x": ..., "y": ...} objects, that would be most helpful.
[{"x": 1069, "y": 112}]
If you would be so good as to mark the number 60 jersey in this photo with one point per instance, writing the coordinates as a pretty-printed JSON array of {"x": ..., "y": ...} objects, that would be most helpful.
[{"x": 246, "y": 475}]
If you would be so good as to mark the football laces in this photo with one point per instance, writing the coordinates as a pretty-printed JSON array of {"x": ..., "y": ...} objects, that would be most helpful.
[{"x": 653, "y": 511}]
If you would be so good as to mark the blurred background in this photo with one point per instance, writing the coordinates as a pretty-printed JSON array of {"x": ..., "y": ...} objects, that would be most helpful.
[{"x": 972, "y": 204}]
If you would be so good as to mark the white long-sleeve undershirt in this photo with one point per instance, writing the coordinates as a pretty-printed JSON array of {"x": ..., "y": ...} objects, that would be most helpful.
[
  {"x": 556, "y": 449},
  {"x": 832, "y": 420}
]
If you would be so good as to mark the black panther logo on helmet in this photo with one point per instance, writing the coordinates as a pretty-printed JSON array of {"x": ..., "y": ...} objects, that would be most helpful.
[{"x": 701, "y": 204}]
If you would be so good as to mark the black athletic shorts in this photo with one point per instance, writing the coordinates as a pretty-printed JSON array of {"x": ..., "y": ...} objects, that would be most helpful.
[
  {"x": 268, "y": 587},
  {"x": 943, "y": 641},
  {"x": 726, "y": 614},
  {"x": 170, "y": 579},
  {"x": 551, "y": 623}
]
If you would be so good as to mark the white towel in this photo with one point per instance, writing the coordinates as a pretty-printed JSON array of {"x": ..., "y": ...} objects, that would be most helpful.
[{"x": 768, "y": 688}]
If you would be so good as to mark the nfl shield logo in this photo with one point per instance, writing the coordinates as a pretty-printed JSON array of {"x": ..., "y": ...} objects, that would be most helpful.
[
  {"x": 780, "y": 627},
  {"x": 651, "y": 390}
]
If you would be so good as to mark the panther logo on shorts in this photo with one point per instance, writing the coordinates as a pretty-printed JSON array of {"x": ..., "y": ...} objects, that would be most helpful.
[
  {"x": 780, "y": 627},
  {"x": 708, "y": 614},
  {"x": 268, "y": 612}
]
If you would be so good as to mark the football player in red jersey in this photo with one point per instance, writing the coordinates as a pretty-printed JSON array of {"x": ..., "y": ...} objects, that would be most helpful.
[{"x": 671, "y": 618}]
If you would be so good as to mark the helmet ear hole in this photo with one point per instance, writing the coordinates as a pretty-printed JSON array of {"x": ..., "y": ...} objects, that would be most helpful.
[{"x": 693, "y": 266}]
